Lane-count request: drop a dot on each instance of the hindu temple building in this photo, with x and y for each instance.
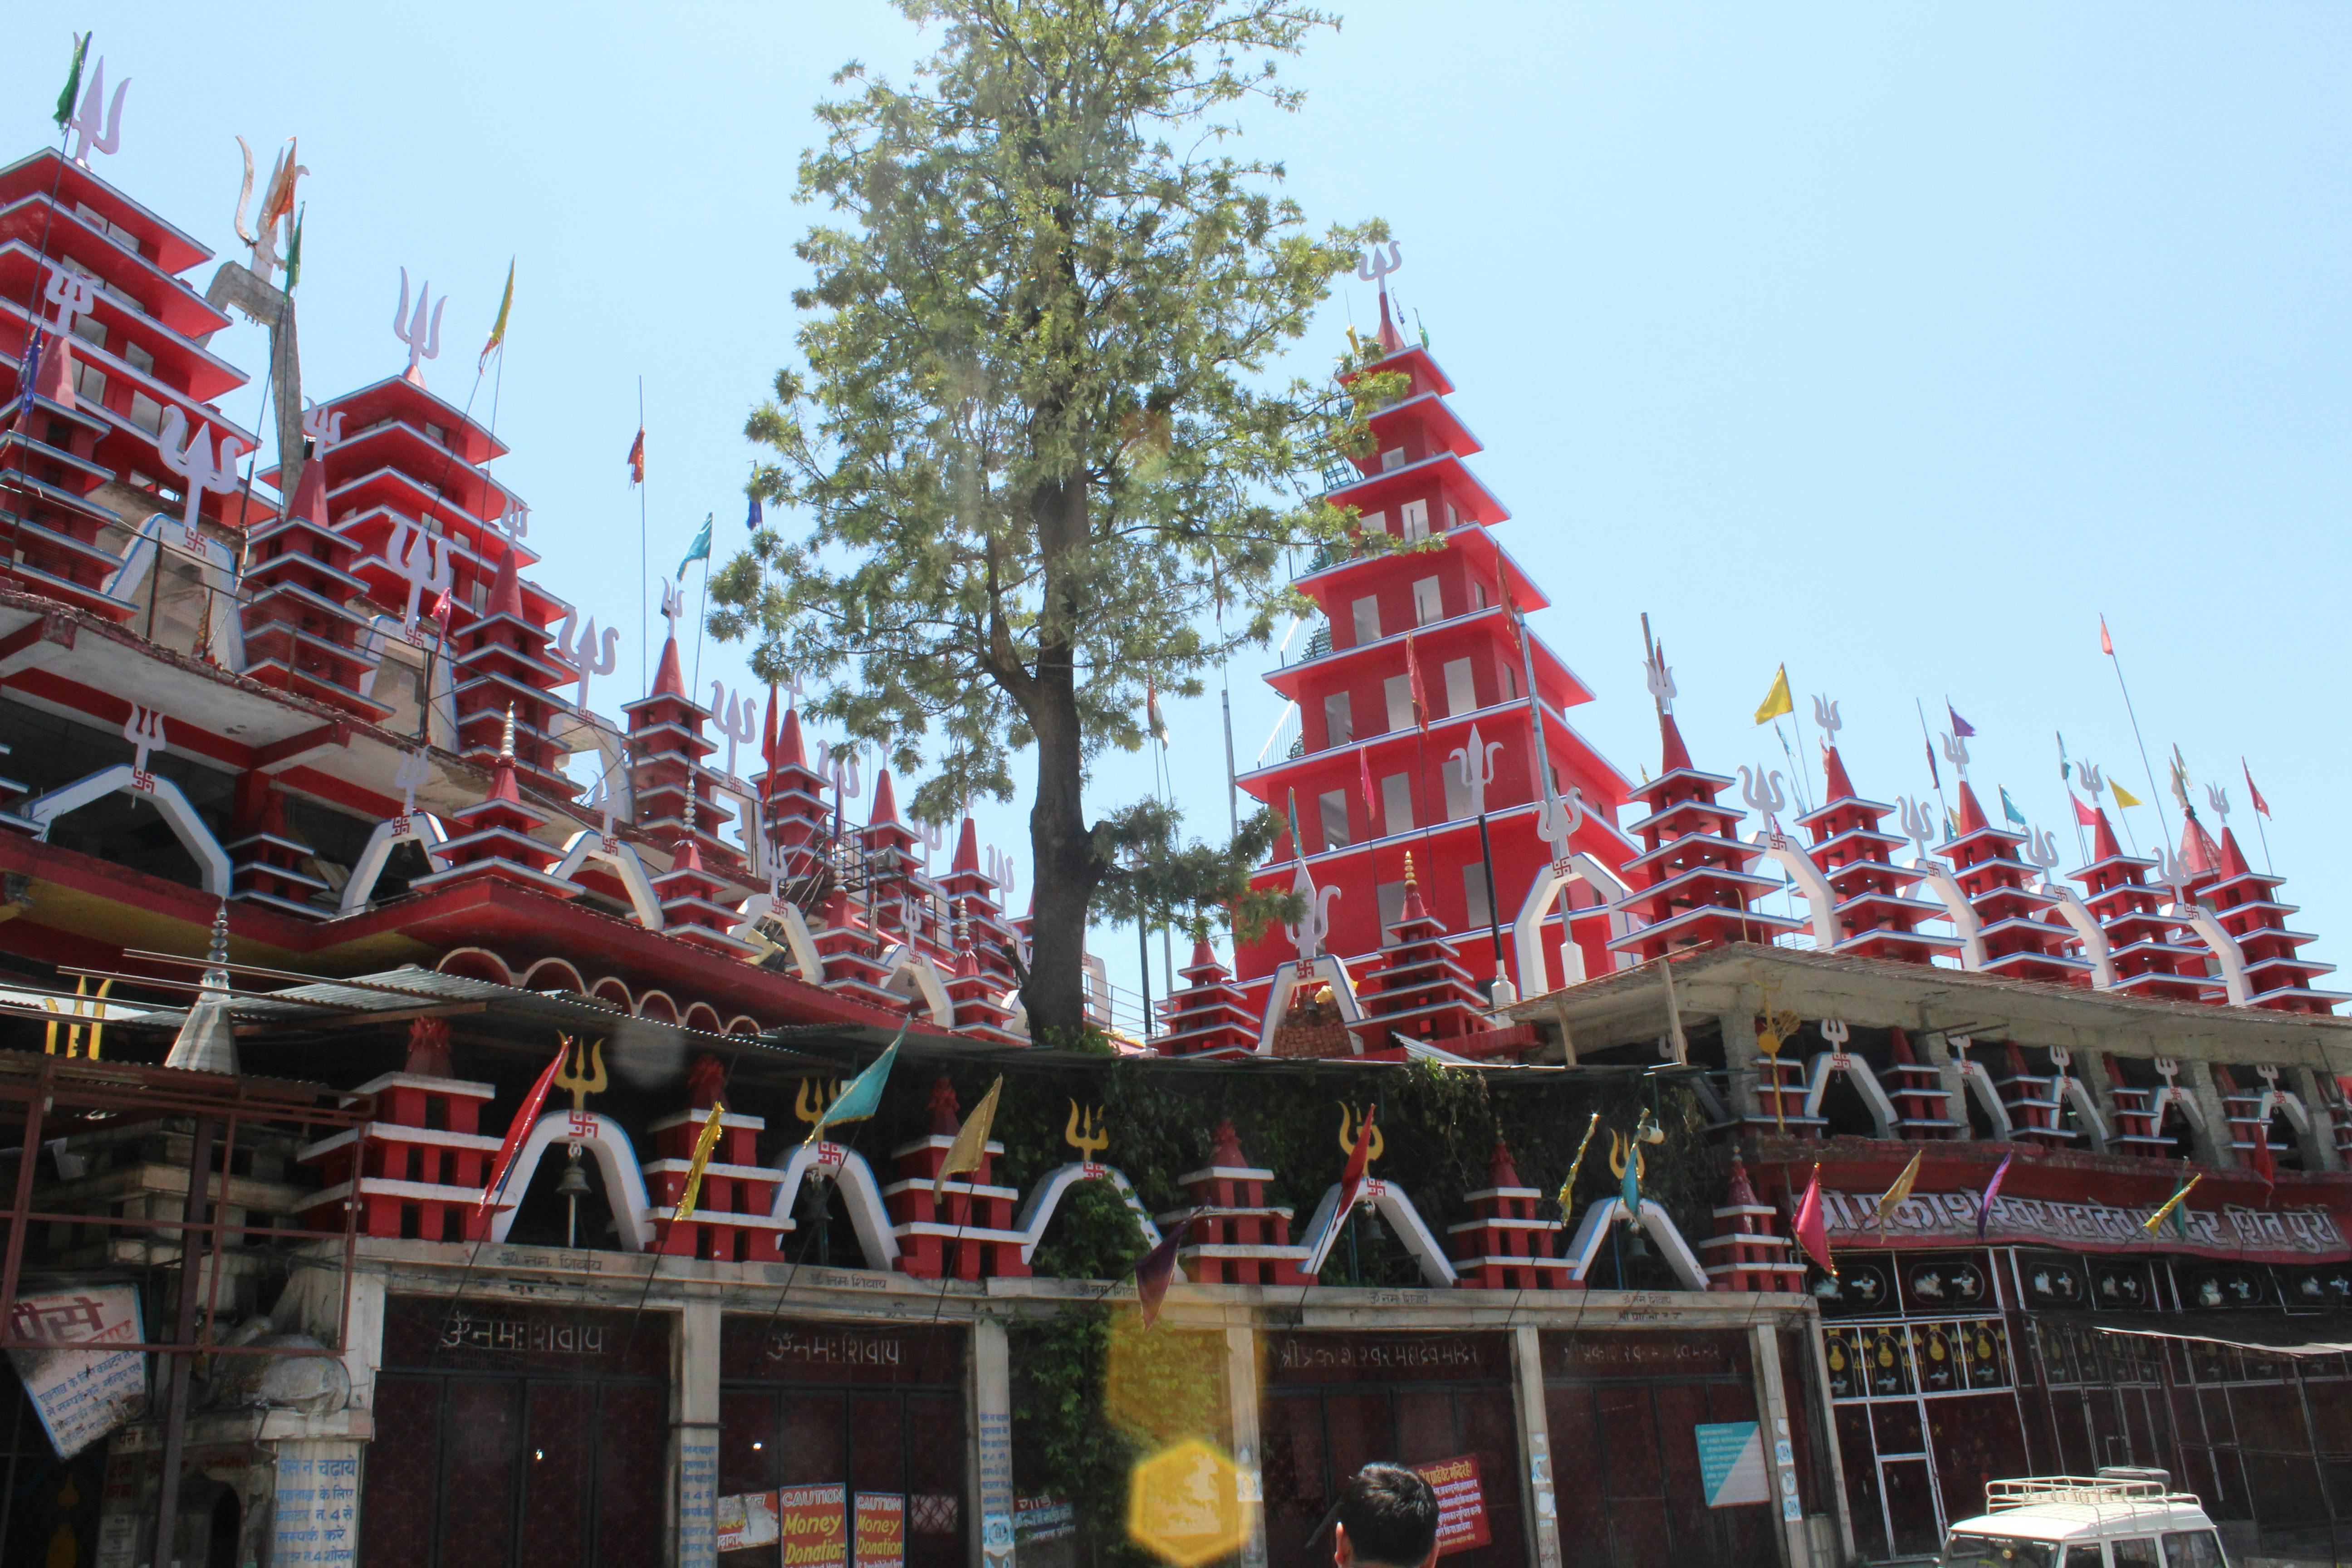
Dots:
(461, 1108)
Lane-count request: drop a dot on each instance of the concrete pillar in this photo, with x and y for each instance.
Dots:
(2318, 1145)
(1249, 1443)
(2091, 1068)
(1741, 1057)
(1825, 1418)
(1937, 1050)
(992, 1440)
(693, 1434)
(1779, 1448)
(2212, 1142)
(1534, 1444)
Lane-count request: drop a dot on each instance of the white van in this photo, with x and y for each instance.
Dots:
(2116, 1519)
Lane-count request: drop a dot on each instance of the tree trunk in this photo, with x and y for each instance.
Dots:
(1063, 882)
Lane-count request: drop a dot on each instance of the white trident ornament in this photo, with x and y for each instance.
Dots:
(1374, 268)
(277, 207)
(205, 467)
(1475, 764)
(1956, 751)
(73, 294)
(2219, 799)
(2041, 850)
(423, 337)
(1826, 714)
(1919, 825)
(423, 560)
(88, 137)
(412, 773)
(583, 654)
(325, 428)
(734, 719)
(145, 730)
(1764, 796)
(673, 605)
(1307, 935)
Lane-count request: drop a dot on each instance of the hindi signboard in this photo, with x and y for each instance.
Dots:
(745, 1519)
(81, 1395)
(1461, 1503)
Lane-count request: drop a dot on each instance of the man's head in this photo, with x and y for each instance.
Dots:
(1388, 1518)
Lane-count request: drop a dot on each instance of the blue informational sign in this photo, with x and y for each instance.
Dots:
(1731, 1463)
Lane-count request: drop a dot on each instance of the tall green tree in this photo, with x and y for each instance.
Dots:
(1041, 449)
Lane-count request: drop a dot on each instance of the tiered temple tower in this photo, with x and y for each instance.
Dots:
(1856, 857)
(78, 257)
(1692, 885)
(2142, 941)
(2241, 899)
(1417, 661)
(2021, 942)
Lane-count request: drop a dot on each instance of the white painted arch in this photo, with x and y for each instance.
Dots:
(212, 860)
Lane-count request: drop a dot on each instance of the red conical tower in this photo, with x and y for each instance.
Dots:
(1209, 1016)
(1422, 994)
(1418, 648)
(1856, 857)
(666, 750)
(2145, 945)
(2020, 941)
(2242, 901)
(493, 839)
(690, 898)
(503, 668)
(298, 635)
(1692, 887)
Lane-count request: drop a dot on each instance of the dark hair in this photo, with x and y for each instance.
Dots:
(1390, 1515)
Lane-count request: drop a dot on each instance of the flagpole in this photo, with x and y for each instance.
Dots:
(1928, 738)
(2259, 815)
(645, 568)
(702, 624)
(2066, 777)
(2155, 795)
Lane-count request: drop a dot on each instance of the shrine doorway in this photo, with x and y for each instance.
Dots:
(1627, 1409)
(858, 1429)
(1336, 1402)
(510, 1432)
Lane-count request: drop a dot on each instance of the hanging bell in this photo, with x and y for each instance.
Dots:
(1639, 1247)
(574, 1184)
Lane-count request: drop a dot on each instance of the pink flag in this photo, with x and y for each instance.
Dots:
(1992, 1191)
(520, 1129)
(1813, 1230)
(2260, 804)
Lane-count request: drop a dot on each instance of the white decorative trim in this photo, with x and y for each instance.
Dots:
(624, 1186)
(421, 828)
(1390, 1201)
(621, 858)
(1655, 1220)
(188, 827)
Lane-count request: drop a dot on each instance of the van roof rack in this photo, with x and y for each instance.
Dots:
(2113, 1486)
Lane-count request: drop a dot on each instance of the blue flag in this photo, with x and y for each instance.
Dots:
(698, 551)
(2008, 808)
(756, 517)
(862, 1097)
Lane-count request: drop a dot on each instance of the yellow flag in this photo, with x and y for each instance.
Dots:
(1777, 701)
(2123, 797)
(1568, 1187)
(704, 1141)
(971, 1145)
(1892, 1199)
(2170, 1203)
(499, 327)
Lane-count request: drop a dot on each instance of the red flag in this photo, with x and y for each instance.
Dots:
(521, 1129)
(1511, 619)
(1813, 1230)
(637, 458)
(2106, 643)
(1352, 1177)
(2083, 814)
(1412, 680)
(2260, 804)
(2260, 1158)
(1364, 779)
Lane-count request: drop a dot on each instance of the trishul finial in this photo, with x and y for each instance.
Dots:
(85, 124)
(584, 654)
(815, 1099)
(1374, 268)
(423, 335)
(2093, 780)
(1764, 796)
(277, 207)
(1825, 715)
(145, 730)
(1475, 764)
(1561, 819)
(423, 558)
(2219, 799)
(734, 718)
(1307, 935)
(1349, 1128)
(582, 1071)
(2041, 850)
(73, 293)
(325, 428)
(1919, 825)
(196, 459)
(1659, 678)
(1956, 751)
(1084, 1132)
(673, 605)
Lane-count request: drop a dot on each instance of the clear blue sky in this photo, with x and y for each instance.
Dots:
(1894, 342)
